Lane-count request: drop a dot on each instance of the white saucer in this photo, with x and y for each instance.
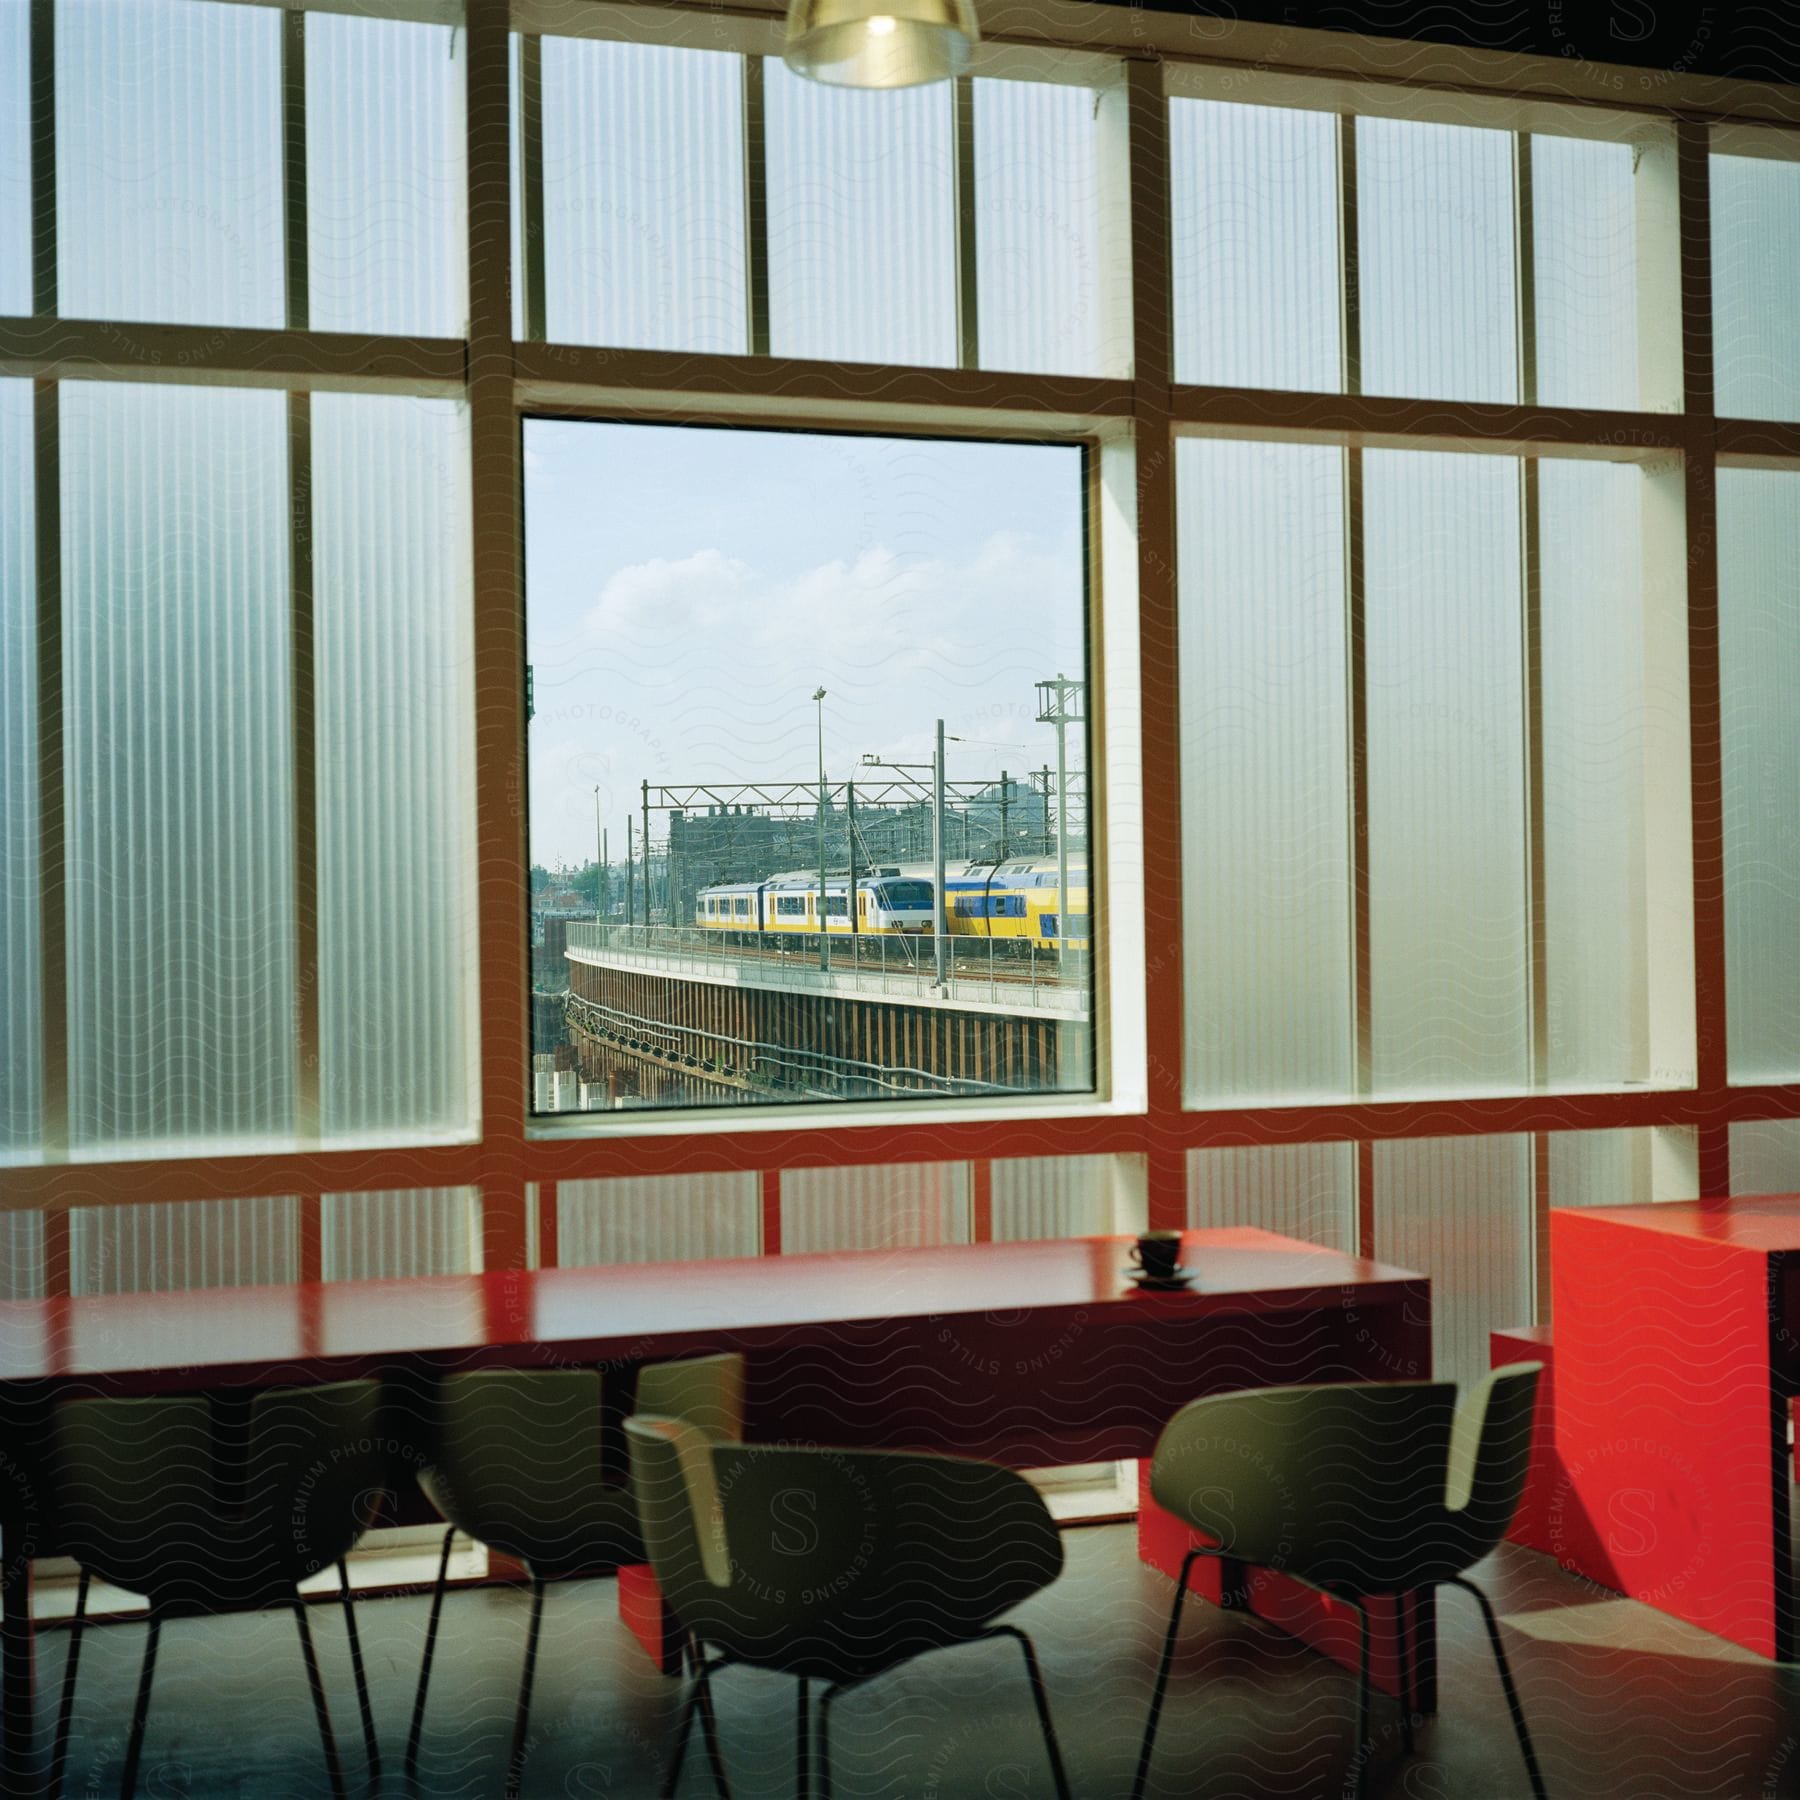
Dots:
(1178, 1280)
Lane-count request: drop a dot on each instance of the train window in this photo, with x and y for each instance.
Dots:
(742, 664)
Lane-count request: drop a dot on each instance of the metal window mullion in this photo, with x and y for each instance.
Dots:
(303, 726)
(53, 970)
(1349, 257)
(1532, 648)
(42, 55)
(968, 319)
(296, 269)
(1357, 719)
(756, 208)
(1525, 269)
(531, 185)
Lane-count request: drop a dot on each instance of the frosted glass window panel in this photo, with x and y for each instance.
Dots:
(1305, 1191)
(1756, 273)
(393, 613)
(883, 1206)
(173, 1245)
(643, 196)
(1265, 770)
(658, 1218)
(1593, 745)
(168, 161)
(862, 221)
(1759, 675)
(21, 1020)
(1599, 1168)
(1460, 1211)
(21, 1255)
(1065, 1196)
(393, 1233)
(1765, 1156)
(386, 219)
(1436, 260)
(177, 763)
(1584, 257)
(1255, 245)
(15, 156)
(1043, 292)
(1449, 957)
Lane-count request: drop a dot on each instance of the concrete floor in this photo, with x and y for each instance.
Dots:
(1622, 1702)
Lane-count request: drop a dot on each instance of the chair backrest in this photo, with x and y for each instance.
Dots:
(517, 1454)
(1339, 1483)
(834, 1560)
(707, 1391)
(1490, 1456)
(315, 1472)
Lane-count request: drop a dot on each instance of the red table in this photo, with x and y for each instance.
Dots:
(1032, 1354)
(1675, 1365)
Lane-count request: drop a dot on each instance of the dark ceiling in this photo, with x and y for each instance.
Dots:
(1759, 42)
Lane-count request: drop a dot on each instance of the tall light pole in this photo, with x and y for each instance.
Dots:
(599, 865)
(824, 949)
(1060, 704)
(939, 907)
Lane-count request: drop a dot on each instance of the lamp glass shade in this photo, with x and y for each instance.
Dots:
(880, 43)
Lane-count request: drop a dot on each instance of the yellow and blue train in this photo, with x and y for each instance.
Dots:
(1014, 900)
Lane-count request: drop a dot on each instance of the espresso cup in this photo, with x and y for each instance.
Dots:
(1158, 1254)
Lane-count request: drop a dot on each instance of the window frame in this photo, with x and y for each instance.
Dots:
(1128, 421)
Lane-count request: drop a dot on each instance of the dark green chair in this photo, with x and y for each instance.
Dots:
(519, 1467)
(1355, 1489)
(834, 1565)
(153, 1498)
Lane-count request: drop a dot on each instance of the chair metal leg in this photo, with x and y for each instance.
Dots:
(685, 1729)
(362, 1680)
(1041, 1700)
(825, 1700)
(1362, 1699)
(802, 1746)
(1506, 1681)
(515, 1762)
(709, 1730)
(1403, 1642)
(431, 1631)
(1162, 1674)
(59, 1754)
(320, 1710)
(140, 1712)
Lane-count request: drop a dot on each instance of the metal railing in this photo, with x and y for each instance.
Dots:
(1016, 974)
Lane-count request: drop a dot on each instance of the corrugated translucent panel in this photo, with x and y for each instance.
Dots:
(862, 221)
(1765, 1156)
(1305, 1191)
(1254, 239)
(168, 161)
(21, 1021)
(178, 763)
(1043, 292)
(1756, 273)
(1600, 1168)
(1584, 255)
(386, 225)
(1435, 259)
(1459, 1210)
(1265, 770)
(21, 1255)
(397, 1232)
(1759, 676)
(1065, 1196)
(883, 1206)
(1447, 897)
(643, 196)
(1593, 736)
(15, 156)
(658, 1218)
(393, 658)
(176, 1244)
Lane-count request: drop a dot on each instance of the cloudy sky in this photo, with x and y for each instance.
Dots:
(688, 589)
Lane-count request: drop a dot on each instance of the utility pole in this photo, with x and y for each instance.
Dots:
(630, 907)
(824, 947)
(1060, 704)
(600, 863)
(850, 845)
(605, 873)
(646, 852)
(1005, 808)
(940, 908)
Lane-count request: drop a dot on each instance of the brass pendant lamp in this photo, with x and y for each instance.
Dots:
(880, 43)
